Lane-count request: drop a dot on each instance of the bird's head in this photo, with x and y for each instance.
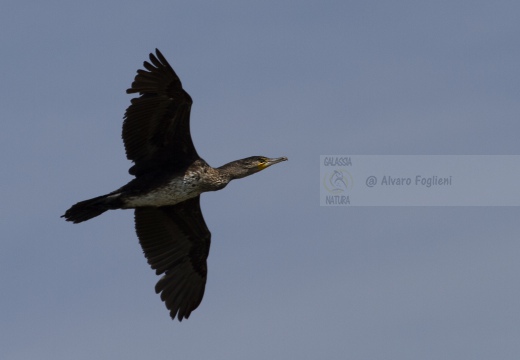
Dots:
(248, 166)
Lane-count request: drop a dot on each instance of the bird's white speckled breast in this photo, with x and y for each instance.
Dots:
(197, 179)
(175, 191)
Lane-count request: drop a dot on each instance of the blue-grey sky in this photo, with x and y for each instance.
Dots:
(288, 279)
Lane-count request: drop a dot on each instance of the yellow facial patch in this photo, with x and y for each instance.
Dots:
(262, 166)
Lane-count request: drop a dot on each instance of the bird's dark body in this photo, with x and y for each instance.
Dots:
(169, 178)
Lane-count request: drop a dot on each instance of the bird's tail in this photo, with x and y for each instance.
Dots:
(88, 209)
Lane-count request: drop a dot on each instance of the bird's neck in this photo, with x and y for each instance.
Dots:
(232, 171)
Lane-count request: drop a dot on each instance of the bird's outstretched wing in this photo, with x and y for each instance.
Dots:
(176, 241)
(156, 127)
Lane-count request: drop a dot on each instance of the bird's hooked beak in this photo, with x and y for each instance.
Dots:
(270, 162)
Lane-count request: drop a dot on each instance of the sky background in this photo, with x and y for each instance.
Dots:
(288, 279)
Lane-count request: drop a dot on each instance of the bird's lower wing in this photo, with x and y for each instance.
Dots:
(176, 242)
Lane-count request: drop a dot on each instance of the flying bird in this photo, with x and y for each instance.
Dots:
(169, 178)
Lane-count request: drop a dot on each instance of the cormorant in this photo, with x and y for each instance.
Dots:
(169, 178)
